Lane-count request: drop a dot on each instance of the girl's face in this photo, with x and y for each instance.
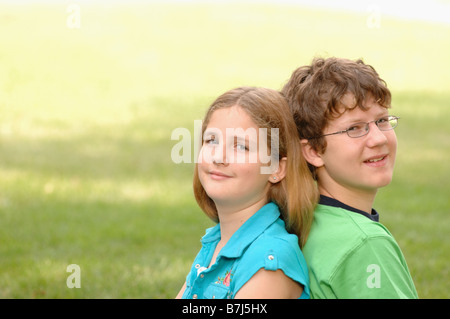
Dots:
(229, 166)
(361, 164)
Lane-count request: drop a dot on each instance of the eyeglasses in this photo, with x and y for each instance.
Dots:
(384, 123)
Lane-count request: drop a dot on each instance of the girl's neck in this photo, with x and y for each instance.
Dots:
(232, 218)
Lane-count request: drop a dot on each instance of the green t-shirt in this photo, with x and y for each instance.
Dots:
(351, 256)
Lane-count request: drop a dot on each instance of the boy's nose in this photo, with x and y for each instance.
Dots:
(375, 136)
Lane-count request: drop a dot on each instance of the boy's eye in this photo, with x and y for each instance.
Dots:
(241, 147)
(356, 127)
(383, 122)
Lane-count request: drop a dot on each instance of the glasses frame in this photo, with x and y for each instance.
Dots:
(367, 127)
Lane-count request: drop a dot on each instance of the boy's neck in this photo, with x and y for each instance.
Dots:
(357, 199)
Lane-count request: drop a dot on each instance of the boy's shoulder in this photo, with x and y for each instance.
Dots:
(337, 232)
(342, 223)
(342, 251)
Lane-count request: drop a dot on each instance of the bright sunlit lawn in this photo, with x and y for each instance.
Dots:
(86, 175)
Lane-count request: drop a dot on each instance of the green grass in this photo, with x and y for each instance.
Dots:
(87, 114)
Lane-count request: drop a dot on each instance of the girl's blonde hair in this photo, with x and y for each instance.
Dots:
(296, 195)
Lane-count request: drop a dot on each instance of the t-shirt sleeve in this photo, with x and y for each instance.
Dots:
(272, 255)
(374, 269)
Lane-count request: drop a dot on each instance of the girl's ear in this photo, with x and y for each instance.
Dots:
(280, 173)
(311, 155)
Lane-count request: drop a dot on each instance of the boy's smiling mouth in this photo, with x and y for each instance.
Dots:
(377, 160)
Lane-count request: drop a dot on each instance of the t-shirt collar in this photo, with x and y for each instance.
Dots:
(247, 233)
(325, 200)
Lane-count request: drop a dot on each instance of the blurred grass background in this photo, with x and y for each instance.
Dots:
(87, 113)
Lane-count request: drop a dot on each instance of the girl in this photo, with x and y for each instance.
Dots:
(249, 253)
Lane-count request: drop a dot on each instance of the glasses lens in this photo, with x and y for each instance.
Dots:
(358, 129)
(387, 123)
(393, 120)
(384, 124)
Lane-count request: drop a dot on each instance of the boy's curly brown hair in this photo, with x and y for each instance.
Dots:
(315, 93)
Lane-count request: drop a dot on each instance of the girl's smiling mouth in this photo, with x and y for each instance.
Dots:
(216, 175)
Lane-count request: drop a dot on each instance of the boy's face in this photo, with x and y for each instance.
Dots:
(358, 165)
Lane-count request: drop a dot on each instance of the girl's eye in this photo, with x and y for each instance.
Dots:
(211, 140)
(241, 147)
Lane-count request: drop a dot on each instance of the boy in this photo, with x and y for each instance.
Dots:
(341, 111)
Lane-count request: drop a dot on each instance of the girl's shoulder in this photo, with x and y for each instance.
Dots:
(271, 249)
(276, 249)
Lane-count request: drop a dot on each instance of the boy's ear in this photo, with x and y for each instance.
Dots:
(280, 173)
(311, 155)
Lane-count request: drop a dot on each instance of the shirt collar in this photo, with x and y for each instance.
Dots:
(325, 200)
(247, 233)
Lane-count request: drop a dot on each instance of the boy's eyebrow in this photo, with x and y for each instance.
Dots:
(360, 120)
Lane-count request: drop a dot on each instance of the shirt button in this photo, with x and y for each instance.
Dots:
(270, 257)
(195, 296)
(202, 275)
(197, 266)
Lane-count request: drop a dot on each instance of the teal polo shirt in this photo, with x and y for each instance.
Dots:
(261, 242)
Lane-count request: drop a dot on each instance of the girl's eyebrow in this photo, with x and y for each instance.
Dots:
(244, 138)
(241, 137)
(210, 131)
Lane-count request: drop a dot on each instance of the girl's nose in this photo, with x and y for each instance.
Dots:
(219, 155)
